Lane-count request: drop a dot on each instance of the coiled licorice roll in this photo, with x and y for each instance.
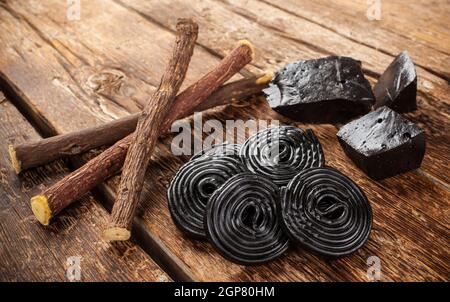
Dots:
(282, 152)
(224, 149)
(325, 211)
(242, 221)
(193, 185)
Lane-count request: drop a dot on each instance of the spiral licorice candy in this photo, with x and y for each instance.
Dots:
(193, 185)
(280, 153)
(242, 221)
(326, 211)
(224, 149)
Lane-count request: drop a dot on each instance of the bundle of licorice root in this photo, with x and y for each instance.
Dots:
(252, 201)
(134, 137)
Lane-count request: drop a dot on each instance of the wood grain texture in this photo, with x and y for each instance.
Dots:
(349, 19)
(428, 26)
(410, 227)
(29, 252)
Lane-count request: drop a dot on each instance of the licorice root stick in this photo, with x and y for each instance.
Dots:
(54, 199)
(147, 132)
(37, 153)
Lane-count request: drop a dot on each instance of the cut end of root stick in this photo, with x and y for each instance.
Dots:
(264, 79)
(249, 45)
(187, 25)
(117, 234)
(40, 208)
(13, 156)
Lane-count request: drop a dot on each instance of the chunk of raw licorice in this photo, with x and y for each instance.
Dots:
(325, 211)
(242, 222)
(219, 150)
(326, 90)
(383, 143)
(279, 153)
(397, 86)
(193, 185)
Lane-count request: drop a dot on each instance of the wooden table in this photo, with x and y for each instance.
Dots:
(61, 75)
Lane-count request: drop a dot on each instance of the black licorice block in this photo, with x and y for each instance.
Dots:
(326, 90)
(397, 86)
(383, 143)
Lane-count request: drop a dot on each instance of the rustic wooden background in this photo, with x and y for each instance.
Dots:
(59, 75)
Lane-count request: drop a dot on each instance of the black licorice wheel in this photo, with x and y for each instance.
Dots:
(224, 149)
(282, 152)
(193, 185)
(325, 211)
(242, 221)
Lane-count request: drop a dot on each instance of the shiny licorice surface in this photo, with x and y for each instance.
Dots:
(282, 152)
(192, 187)
(224, 149)
(325, 211)
(242, 221)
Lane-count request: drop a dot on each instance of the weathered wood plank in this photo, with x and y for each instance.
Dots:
(400, 27)
(30, 252)
(397, 222)
(86, 69)
(422, 20)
